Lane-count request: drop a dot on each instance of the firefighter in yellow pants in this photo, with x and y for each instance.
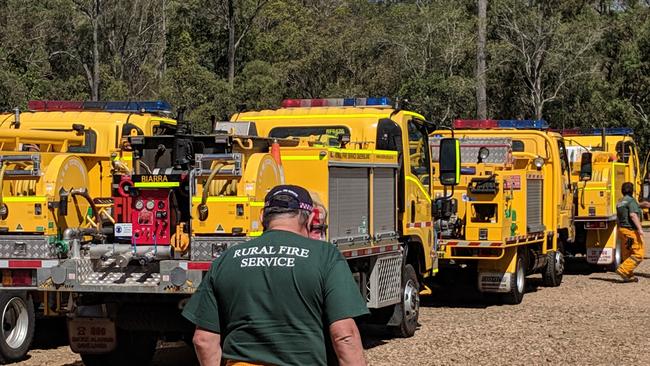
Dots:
(630, 232)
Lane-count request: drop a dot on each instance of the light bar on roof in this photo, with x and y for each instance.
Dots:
(503, 123)
(336, 102)
(611, 131)
(475, 123)
(157, 106)
(54, 105)
(537, 124)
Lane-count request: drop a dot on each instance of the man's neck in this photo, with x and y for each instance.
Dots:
(290, 228)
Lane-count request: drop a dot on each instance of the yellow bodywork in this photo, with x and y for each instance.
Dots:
(237, 212)
(53, 156)
(495, 224)
(597, 197)
(234, 204)
(361, 123)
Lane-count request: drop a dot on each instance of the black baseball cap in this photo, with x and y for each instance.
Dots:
(299, 198)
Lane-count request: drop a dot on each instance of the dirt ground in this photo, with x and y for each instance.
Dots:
(591, 319)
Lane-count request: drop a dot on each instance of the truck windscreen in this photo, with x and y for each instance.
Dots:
(328, 135)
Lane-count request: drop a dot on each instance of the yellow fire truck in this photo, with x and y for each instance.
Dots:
(55, 175)
(602, 160)
(512, 212)
(191, 197)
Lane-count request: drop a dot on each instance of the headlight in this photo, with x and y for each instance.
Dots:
(150, 205)
(539, 163)
(139, 205)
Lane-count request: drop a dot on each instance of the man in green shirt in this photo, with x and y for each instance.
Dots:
(275, 299)
(630, 232)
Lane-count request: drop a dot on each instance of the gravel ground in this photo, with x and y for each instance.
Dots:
(589, 320)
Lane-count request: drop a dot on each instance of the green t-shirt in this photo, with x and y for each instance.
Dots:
(273, 298)
(624, 208)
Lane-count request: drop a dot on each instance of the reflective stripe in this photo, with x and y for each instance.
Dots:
(28, 263)
(595, 188)
(224, 199)
(419, 184)
(303, 158)
(156, 184)
(25, 199)
(351, 253)
(199, 266)
(363, 151)
(418, 225)
(413, 114)
(256, 203)
(457, 161)
(315, 116)
(255, 233)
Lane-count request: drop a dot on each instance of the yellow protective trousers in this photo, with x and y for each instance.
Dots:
(632, 249)
(242, 363)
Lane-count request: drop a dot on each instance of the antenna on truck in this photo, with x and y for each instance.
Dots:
(16, 122)
(184, 127)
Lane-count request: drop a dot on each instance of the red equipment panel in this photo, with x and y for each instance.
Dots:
(151, 217)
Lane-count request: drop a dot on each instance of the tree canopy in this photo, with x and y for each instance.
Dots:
(575, 63)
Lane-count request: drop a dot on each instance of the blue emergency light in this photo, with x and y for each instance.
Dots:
(610, 131)
(158, 106)
(381, 102)
(525, 124)
(616, 131)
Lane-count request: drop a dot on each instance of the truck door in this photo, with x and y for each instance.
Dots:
(566, 192)
(417, 174)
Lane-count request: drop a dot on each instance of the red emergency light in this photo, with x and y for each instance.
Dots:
(54, 105)
(475, 123)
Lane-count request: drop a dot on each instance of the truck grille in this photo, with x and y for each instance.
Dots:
(534, 206)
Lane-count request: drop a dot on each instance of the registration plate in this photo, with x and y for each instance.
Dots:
(91, 335)
(600, 255)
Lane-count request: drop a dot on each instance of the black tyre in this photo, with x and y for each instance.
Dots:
(18, 323)
(618, 257)
(133, 349)
(410, 304)
(554, 271)
(517, 284)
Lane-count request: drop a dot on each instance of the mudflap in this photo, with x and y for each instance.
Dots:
(494, 282)
(92, 335)
(602, 244)
(499, 275)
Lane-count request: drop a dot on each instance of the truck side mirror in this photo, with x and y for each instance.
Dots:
(449, 158)
(585, 166)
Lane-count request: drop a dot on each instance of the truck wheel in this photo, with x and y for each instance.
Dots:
(517, 284)
(618, 258)
(410, 305)
(133, 349)
(552, 275)
(18, 323)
